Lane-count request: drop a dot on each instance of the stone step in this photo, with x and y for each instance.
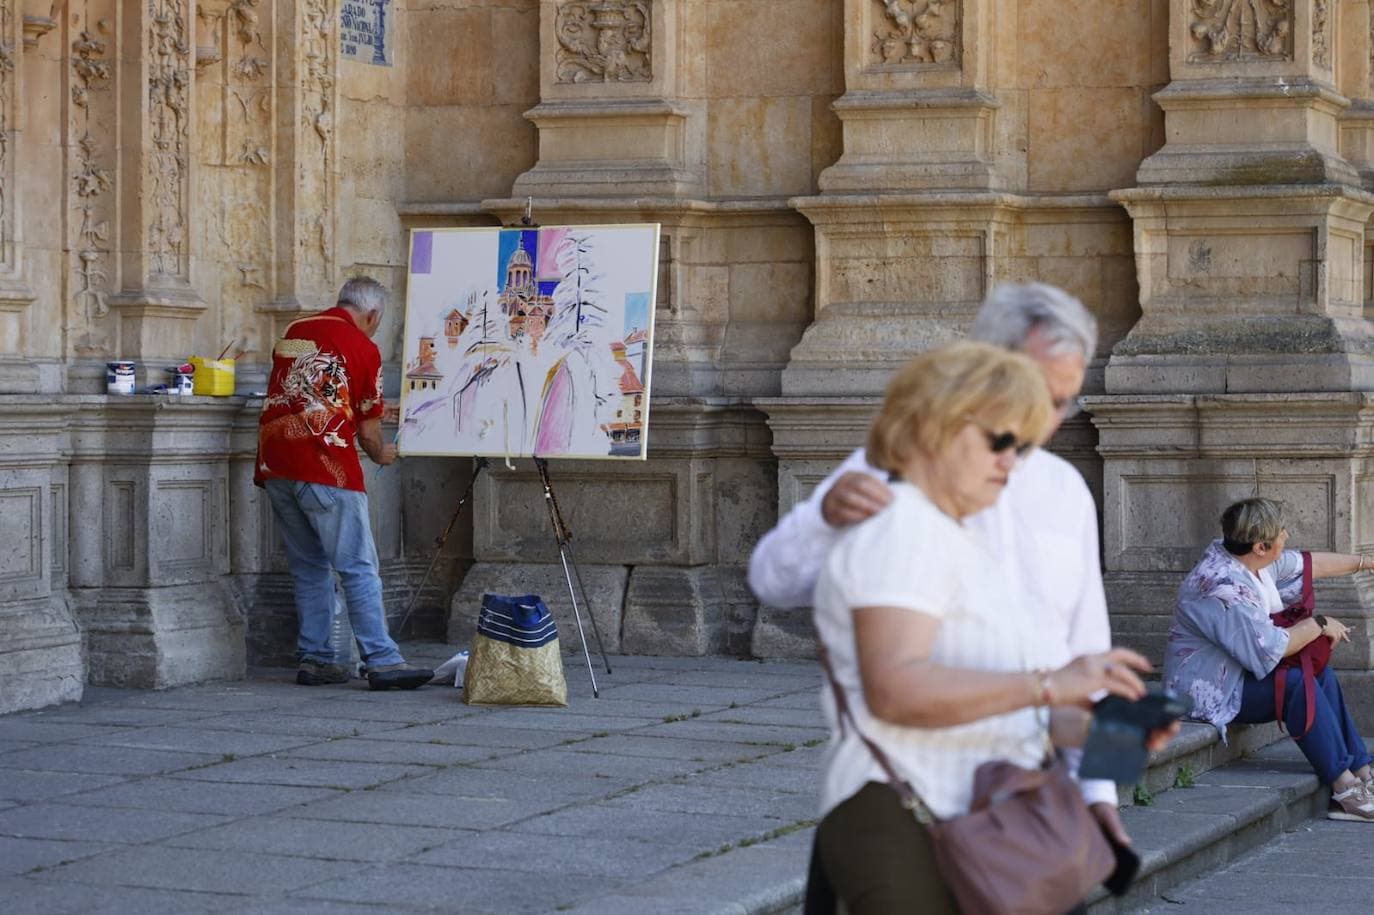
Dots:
(1225, 813)
(1197, 750)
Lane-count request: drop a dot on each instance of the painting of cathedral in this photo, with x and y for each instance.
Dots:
(547, 341)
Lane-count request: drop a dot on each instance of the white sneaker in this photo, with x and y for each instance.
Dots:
(1355, 803)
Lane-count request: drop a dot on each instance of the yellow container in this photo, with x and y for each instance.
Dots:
(213, 376)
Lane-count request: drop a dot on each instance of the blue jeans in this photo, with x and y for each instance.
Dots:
(326, 530)
(1334, 744)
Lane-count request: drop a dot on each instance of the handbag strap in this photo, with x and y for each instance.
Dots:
(910, 800)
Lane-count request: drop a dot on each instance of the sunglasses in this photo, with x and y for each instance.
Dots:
(999, 442)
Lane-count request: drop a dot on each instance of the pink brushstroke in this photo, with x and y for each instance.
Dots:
(556, 415)
(550, 240)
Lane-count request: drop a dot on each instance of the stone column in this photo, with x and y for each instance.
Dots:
(40, 658)
(157, 305)
(620, 109)
(1245, 374)
(150, 540)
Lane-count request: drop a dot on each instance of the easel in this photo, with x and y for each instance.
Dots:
(561, 534)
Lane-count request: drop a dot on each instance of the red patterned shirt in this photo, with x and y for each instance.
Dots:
(326, 378)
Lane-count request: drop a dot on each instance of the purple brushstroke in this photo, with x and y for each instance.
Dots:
(556, 416)
(421, 251)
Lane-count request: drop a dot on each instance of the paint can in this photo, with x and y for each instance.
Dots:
(179, 382)
(119, 377)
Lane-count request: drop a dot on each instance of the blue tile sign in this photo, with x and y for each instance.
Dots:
(365, 31)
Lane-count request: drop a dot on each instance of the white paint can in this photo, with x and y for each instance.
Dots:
(119, 377)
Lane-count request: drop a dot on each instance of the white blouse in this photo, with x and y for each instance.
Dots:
(913, 556)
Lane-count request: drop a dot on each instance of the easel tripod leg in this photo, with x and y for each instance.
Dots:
(596, 629)
(577, 615)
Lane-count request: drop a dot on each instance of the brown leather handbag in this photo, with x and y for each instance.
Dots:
(1028, 845)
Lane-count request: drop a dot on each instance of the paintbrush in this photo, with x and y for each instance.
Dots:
(226, 348)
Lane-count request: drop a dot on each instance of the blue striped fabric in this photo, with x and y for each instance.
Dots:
(522, 621)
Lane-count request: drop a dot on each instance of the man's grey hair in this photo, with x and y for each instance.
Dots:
(1013, 311)
(364, 294)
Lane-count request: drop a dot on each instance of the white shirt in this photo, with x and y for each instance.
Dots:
(913, 556)
(1043, 529)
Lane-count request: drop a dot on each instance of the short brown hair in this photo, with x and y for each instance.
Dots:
(1250, 521)
(931, 398)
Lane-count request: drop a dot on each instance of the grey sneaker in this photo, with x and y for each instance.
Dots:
(317, 673)
(1355, 804)
(398, 676)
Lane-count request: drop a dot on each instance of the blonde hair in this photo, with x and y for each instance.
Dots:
(933, 396)
(1248, 522)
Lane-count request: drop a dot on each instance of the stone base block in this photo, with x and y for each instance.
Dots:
(784, 633)
(1358, 688)
(688, 611)
(269, 607)
(605, 591)
(40, 658)
(160, 637)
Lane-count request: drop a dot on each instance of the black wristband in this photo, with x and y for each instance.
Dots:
(1321, 620)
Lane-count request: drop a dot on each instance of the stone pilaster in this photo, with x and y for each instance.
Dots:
(157, 304)
(621, 108)
(150, 540)
(40, 659)
(15, 295)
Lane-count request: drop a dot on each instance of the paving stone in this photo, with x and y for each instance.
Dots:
(344, 707)
(515, 784)
(560, 720)
(199, 797)
(747, 676)
(214, 871)
(738, 733)
(25, 785)
(811, 758)
(311, 907)
(396, 751)
(707, 829)
(34, 729)
(211, 702)
(19, 856)
(655, 710)
(422, 810)
(588, 855)
(671, 748)
(565, 761)
(99, 824)
(9, 746)
(309, 838)
(719, 800)
(297, 725)
(802, 699)
(761, 775)
(123, 715)
(462, 732)
(105, 760)
(30, 896)
(698, 696)
(769, 715)
(199, 740)
(472, 891)
(319, 773)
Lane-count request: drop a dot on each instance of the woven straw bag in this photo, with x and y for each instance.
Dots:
(515, 658)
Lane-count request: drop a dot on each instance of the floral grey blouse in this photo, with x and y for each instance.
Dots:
(1222, 631)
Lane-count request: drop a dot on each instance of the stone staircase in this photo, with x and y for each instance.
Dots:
(1202, 804)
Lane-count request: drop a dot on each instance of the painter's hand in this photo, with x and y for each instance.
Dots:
(855, 497)
(386, 455)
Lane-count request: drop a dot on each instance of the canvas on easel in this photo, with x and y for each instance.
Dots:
(529, 341)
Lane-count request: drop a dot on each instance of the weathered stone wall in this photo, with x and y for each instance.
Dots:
(839, 183)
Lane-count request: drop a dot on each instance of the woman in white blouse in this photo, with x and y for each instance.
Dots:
(939, 665)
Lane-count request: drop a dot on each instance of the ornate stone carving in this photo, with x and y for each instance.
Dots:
(1321, 34)
(7, 56)
(1239, 30)
(315, 158)
(91, 181)
(604, 41)
(918, 32)
(169, 112)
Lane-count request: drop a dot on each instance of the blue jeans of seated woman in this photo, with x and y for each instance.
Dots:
(325, 530)
(1333, 745)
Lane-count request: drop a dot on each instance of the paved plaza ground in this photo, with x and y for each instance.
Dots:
(689, 787)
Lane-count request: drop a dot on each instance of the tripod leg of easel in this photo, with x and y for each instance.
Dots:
(596, 630)
(577, 615)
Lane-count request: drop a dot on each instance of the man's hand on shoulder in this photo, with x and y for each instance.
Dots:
(855, 497)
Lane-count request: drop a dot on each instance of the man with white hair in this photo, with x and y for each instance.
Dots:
(1044, 526)
(325, 393)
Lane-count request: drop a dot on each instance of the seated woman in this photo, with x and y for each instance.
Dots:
(1224, 649)
(927, 642)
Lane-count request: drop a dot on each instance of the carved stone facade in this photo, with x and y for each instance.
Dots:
(839, 183)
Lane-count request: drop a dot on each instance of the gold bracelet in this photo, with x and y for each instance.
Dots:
(1044, 690)
(1362, 560)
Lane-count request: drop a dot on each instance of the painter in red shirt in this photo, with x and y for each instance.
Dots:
(324, 395)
